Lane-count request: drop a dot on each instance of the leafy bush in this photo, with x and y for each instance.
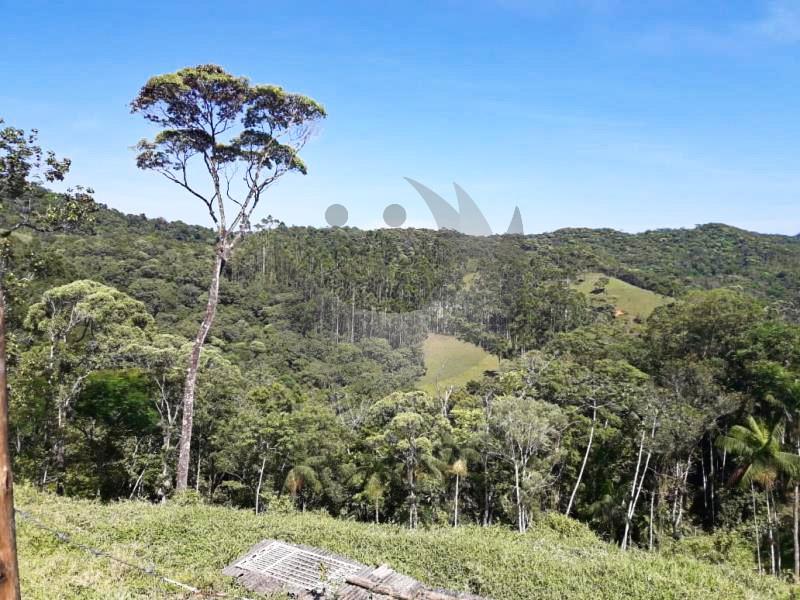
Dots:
(567, 529)
(730, 547)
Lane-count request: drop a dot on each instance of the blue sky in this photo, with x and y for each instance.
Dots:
(597, 113)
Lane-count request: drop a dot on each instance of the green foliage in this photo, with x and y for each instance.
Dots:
(723, 547)
(191, 543)
(205, 112)
(119, 400)
(567, 529)
(758, 445)
(24, 167)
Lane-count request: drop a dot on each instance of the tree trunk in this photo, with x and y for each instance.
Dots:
(260, 481)
(711, 477)
(624, 543)
(136, 485)
(650, 533)
(518, 495)
(635, 492)
(9, 573)
(60, 452)
(413, 518)
(770, 535)
(757, 530)
(487, 494)
(353, 317)
(796, 515)
(585, 459)
(166, 480)
(199, 464)
(184, 454)
(777, 542)
(455, 505)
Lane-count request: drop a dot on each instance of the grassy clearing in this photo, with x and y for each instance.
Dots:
(449, 361)
(631, 300)
(558, 558)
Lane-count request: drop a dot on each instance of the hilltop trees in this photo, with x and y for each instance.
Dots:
(225, 124)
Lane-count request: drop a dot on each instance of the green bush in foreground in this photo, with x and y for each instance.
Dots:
(191, 542)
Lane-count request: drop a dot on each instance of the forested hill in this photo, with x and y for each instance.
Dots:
(311, 391)
(317, 286)
(164, 264)
(300, 291)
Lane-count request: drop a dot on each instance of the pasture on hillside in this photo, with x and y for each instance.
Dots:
(633, 302)
(450, 361)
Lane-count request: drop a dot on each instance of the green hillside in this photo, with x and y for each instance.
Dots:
(191, 543)
(633, 302)
(450, 361)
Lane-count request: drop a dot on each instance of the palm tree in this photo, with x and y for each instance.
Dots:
(758, 447)
(302, 482)
(459, 469)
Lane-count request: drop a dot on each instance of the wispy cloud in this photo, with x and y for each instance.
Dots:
(779, 24)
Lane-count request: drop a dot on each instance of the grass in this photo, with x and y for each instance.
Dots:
(557, 558)
(450, 361)
(634, 302)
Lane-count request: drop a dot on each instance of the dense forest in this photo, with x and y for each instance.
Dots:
(273, 368)
(647, 429)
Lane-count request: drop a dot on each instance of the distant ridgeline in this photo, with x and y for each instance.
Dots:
(346, 284)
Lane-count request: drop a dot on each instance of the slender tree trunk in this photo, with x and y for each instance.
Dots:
(353, 317)
(636, 491)
(770, 535)
(682, 478)
(184, 454)
(487, 494)
(757, 530)
(199, 464)
(166, 480)
(260, 480)
(796, 516)
(705, 481)
(711, 477)
(518, 495)
(585, 459)
(60, 452)
(624, 543)
(455, 505)
(413, 519)
(650, 533)
(9, 572)
(136, 485)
